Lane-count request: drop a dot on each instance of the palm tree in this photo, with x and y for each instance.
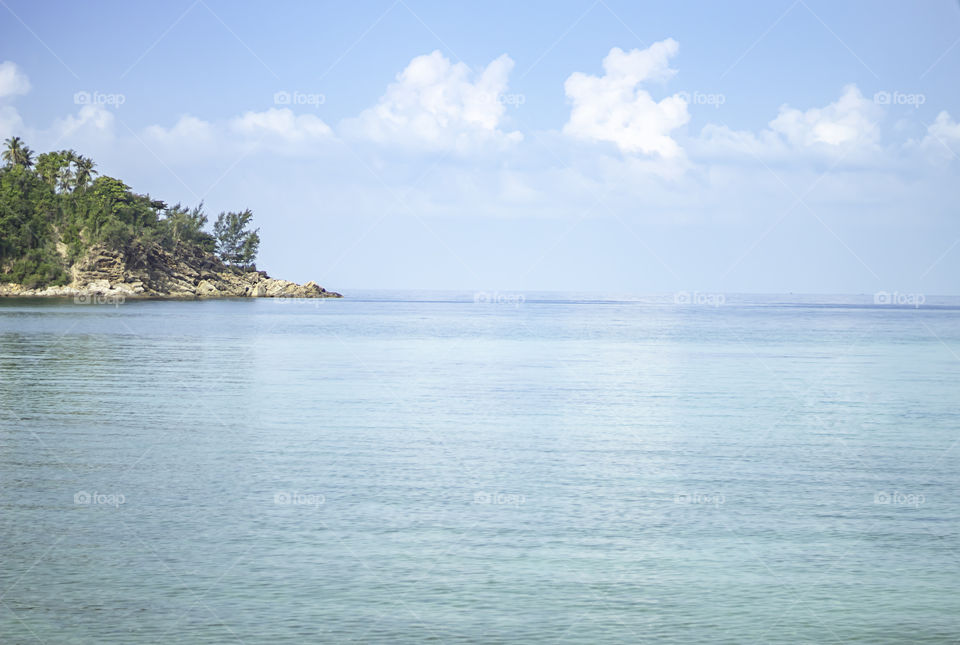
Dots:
(48, 167)
(85, 171)
(17, 154)
(65, 172)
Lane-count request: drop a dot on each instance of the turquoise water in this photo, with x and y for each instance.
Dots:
(397, 467)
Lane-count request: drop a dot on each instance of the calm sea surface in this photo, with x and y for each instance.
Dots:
(409, 467)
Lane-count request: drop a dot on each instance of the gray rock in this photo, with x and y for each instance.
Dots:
(153, 272)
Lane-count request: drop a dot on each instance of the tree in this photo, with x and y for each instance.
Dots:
(66, 178)
(182, 226)
(236, 245)
(17, 154)
(53, 210)
(54, 169)
(84, 173)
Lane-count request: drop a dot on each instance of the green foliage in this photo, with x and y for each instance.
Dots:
(37, 268)
(25, 209)
(236, 244)
(17, 154)
(52, 210)
(54, 168)
(65, 170)
(83, 172)
(115, 234)
(182, 226)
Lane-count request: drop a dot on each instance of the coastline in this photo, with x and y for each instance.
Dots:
(278, 289)
(185, 274)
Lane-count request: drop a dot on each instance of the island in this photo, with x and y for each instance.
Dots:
(65, 233)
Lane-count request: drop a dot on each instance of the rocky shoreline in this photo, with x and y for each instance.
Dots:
(150, 271)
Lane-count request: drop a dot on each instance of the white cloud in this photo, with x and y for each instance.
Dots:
(186, 129)
(944, 127)
(10, 122)
(942, 138)
(846, 129)
(12, 83)
(277, 129)
(614, 107)
(12, 80)
(90, 119)
(851, 119)
(439, 105)
(724, 142)
(281, 123)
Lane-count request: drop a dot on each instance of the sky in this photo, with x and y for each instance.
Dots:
(792, 146)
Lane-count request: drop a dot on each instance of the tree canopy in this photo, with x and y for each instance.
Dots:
(17, 154)
(54, 208)
(236, 244)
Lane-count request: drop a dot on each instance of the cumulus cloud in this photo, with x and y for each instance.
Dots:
(722, 141)
(90, 119)
(850, 119)
(942, 138)
(12, 83)
(187, 128)
(10, 122)
(944, 127)
(281, 123)
(848, 127)
(615, 108)
(12, 80)
(437, 104)
(280, 130)
(90, 124)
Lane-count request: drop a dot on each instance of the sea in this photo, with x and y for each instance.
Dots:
(492, 467)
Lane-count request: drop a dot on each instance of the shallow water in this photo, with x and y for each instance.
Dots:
(407, 467)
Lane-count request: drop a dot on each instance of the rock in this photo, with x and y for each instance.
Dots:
(98, 287)
(206, 289)
(153, 272)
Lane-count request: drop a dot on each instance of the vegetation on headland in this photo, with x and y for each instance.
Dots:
(53, 209)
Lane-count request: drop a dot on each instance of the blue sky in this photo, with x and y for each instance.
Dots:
(605, 146)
